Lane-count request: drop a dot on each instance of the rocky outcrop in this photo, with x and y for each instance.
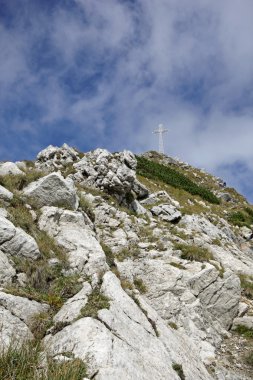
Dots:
(52, 190)
(114, 173)
(54, 158)
(166, 212)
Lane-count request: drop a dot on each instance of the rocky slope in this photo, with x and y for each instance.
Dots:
(142, 268)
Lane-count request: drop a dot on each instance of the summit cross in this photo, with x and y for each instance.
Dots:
(160, 132)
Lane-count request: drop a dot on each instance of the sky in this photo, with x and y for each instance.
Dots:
(105, 73)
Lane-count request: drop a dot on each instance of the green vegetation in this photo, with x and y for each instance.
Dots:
(179, 370)
(139, 284)
(245, 331)
(177, 265)
(87, 207)
(193, 252)
(109, 254)
(25, 362)
(241, 218)
(247, 286)
(173, 325)
(18, 182)
(156, 171)
(127, 252)
(96, 301)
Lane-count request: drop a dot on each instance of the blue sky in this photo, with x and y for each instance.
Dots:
(96, 73)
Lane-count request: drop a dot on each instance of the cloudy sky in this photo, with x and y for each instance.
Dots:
(105, 73)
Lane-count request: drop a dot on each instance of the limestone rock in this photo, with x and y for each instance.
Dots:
(20, 244)
(166, 212)
(7, 272)
(52, 157)
(71, 309)
(5, 195)
(71, 232)
(21, 307)
(10, 168)
(52, 190)
(7, 230)
(110, 172)
(13, 330)
(115, 342)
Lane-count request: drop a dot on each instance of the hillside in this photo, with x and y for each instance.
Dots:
(121, 266)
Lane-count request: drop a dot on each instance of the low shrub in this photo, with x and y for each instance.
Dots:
(156, 171)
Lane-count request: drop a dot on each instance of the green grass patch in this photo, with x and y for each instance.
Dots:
(156, 171)
(245, 331)
(177, 265)
(25, 362)
(140, 285)
(179, 370)
(96, 301)
(193, 252)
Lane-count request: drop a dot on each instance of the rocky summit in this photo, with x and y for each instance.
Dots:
(115, 266)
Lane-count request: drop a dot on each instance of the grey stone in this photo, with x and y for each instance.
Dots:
(52, 190)
(166, 212)
(5, 195)
(10, 168)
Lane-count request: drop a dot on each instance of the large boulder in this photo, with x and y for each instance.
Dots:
(10, 168)
(52, 190)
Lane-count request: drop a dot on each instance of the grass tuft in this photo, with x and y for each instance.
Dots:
(96, 301)
(193, 252)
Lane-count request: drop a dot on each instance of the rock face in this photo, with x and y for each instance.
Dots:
(114, 173)
(72, 233)
(122, 332)
(52, 190)
(10, 168)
